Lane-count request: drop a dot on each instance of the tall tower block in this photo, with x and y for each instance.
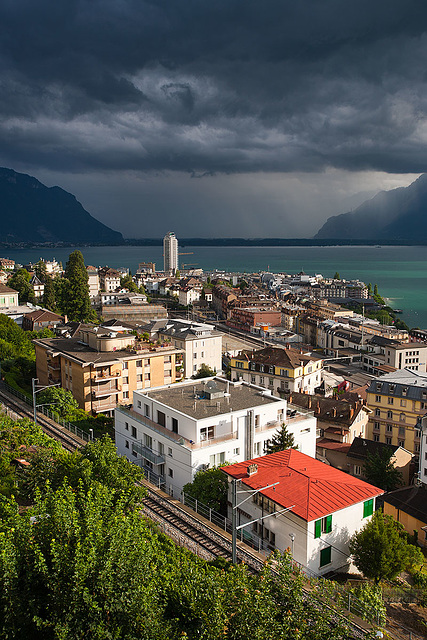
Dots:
(170, 253)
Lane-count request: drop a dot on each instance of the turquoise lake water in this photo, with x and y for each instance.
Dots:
(400, 272)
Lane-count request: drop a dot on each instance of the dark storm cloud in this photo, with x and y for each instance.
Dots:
(205, 87)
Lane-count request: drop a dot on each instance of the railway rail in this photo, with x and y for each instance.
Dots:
(49, 426)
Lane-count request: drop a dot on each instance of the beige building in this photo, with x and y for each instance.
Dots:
(103, 366)
(398, 401)
(8, 297)
(284, 370)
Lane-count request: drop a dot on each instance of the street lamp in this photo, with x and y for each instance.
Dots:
(37, 390)
(292, 537)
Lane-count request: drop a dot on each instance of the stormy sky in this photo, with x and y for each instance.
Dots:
(223, 118)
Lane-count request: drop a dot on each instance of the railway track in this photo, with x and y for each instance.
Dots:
(50, 427)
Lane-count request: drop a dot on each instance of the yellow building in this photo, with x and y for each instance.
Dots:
(398, 400)
(409, 507)
(281, 370)
(103, 366)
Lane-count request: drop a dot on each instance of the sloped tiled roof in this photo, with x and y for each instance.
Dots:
(411, 500)
(287, 358)
(313, 489)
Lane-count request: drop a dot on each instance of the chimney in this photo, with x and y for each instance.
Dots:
(65, 318)
(290, 399)
(334, 412)
(318, 409)
(309, 402)
(252, 469)
(351, 413)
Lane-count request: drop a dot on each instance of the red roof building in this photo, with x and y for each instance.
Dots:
(324, 507)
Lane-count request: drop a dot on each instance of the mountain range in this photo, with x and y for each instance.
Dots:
(32, 212)
(399, 214)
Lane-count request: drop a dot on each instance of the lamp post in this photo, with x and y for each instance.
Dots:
(292, 537)
(37, 390)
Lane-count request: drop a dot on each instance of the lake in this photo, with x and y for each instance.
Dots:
(400, 272)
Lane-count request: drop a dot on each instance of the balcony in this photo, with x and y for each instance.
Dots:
(53, 366)
(148, 454)
(105, 390)
(104, 405)
(104, 377)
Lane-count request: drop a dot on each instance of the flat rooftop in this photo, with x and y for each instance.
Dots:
(190, 398)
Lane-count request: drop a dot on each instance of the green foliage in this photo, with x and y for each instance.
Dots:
(381, 472)
(337, 276)
(75, 300)
(58, 401)
(20, 281)
(49, 301)
(211, 488)
(41, 271)
(127, 283)
(381, 550)
(280, 441)
(370, 596)
(204, 371)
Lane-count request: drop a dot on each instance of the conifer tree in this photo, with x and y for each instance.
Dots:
(49, 294)
(280, 441)
(76, 302)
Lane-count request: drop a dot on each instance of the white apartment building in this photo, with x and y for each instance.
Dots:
(315, 509)
(170, 253)
(201, 343)
(93, 282)
(176, 430)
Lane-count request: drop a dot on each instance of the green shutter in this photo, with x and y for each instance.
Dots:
(317, 528)
(368, 508)
(325, 556)
(328, 524)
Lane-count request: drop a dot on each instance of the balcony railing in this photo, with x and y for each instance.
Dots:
(105, 390)
(104, 377)
(148, 454)
(104, 405)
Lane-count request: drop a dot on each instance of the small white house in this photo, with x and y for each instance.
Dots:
(315, 509)
(174, 431)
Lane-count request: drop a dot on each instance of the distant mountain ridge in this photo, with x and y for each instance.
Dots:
(32, 212)
(399, 214)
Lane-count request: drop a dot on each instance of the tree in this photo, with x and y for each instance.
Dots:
(204, 371)
(211, 488)
(49, 294)
(380, 471)
(58, 401)
(337, 276)
(381, 551)
(20, 281)
(41, 271)
(376, 290)
(280, 441)
(76, 301)
(369, 288)
(127, 283)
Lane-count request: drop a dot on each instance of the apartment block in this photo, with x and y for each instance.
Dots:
(175, 431)
(103, 366)
(281, 370)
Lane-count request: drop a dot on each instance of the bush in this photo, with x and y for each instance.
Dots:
(370, 597)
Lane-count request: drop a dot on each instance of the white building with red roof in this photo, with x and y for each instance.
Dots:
(309, 507)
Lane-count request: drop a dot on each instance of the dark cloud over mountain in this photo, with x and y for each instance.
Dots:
(224, 87)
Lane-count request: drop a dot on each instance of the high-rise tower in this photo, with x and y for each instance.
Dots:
(170, 253)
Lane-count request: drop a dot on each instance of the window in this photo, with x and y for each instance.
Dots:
(125, 365)
(376, 426)
(239, 365)
(147, 377)
(261, 379)
(390, 400)
(253, 379)
(257, 449)
(377, 412)
(139, 404)
(139, 377)
(376, 437)
(388, 440)
(134, 433)
(170, 452)
(368, 508)
(357, 470)
(161, 448)
(403, 403)
(236, 451)
(161, 418)
(325, 556)
(170, 473)
(126, 380)
(323, 526)
(401, 443)
(271, 382)
(174, 425)
(377, 398)
(390, 415)
(125, 395)
(207, 433)
(139, 363)
(127, 444)
(389, 428)
(148, 441)
(147, 410)
(127, 426)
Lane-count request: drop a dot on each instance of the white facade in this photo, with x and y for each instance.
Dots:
(170, 253)
(174, 431)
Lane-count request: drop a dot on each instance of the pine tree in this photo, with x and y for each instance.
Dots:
(280, 441)
(41, 271)
(381, 472)
(76, 303)
(49, 294)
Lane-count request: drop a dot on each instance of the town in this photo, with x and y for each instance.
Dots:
(307, 393)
